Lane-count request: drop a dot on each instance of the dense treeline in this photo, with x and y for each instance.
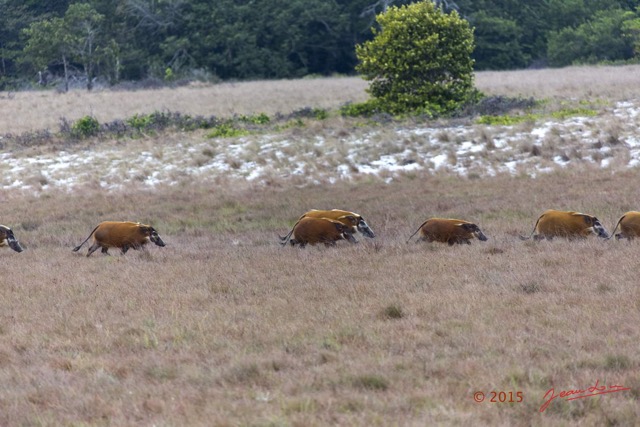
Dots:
(515, 34)
(125, 40)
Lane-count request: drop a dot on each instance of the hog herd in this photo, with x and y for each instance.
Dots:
(329, 226)
(317, 226)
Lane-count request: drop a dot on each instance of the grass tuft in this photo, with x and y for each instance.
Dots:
(393, 311)
(617, 362)
(370, 382)
(530, 287)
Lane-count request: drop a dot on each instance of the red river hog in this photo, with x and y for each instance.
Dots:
(629, 226)
(568, 224)
(320, 230)
(8, 239)
(449, 231)
(124, 235)
(350, 219)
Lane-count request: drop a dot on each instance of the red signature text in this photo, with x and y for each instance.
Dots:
(594, 390)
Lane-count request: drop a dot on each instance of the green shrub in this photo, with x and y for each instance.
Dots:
(226, 130)
(360, 109)
(258, 119)
(320, 114)
(139, 121)
(168, 74)
(85, 127)
(419, 60)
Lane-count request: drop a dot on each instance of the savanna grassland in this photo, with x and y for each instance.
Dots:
(223, 326)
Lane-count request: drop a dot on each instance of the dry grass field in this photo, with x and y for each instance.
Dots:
(223, 326)
(33, 111)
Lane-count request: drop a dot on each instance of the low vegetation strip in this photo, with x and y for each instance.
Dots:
(304, 150)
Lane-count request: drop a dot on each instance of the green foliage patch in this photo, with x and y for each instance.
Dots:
(573, 112)
(320, 114)
(105, 42)
(360, 109)
(419, 60)
(140, 122)
(257, 119)
(507, 120)
(85, 127)
(226, 130)
(510, 120)
(608, 34)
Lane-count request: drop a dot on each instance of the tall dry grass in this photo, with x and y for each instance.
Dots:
(33, 111)
(225, 327)
(587, 83)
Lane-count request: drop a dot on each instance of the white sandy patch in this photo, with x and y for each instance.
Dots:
(320, 158)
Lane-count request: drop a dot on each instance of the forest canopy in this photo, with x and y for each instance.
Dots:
(168, 40)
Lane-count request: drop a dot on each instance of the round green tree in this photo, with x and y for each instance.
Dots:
(419, 60)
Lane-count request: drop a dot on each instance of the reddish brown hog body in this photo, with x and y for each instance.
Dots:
(629, 225)
(320, 230)
(567, 224)
(8, 239)
(451, 231)
(124, 235)
(350, 219)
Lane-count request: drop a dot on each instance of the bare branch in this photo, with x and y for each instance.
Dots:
(447, 5)
(153, 17)
(372, 9)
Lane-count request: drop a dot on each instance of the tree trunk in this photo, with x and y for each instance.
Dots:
(89, 69)
(89, 65)
(66, 73)
(117, 70)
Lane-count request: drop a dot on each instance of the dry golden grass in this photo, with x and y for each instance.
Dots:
(588, 83)
(225, 327)
(32, 111)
